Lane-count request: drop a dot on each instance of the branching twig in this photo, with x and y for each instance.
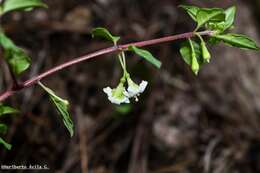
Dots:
(12, 90)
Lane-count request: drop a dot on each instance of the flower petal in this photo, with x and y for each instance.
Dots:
(114, 98)
(142, 86)
(135, 90)
(132, 91)
(108, 91)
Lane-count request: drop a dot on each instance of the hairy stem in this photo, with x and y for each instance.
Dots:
(11, 91)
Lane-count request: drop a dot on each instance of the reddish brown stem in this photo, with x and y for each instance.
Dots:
(11, 91)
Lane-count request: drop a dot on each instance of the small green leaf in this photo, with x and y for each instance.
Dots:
(217, 27)
(230, 17)
(191, 10)
(105, 34)
(206, 15)
(185, 52)
(11, 5)
(15, 56)
(62, 107)
(7, 110)
(5, 144)
(146, 55)
(209, 15)
(221, 26)
(3, 128)
(238, 40)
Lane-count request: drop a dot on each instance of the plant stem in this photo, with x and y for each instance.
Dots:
(11, 91)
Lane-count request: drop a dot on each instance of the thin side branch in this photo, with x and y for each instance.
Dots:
(11, 91)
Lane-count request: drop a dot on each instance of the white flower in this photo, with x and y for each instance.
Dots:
(135, 90)
(117, 95)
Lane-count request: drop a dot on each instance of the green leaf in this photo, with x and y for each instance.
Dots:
(62, 107)
(5, 144)
(15, 56)
(185, 52)
(191, 10)
(11, 5)
(221, 26)
(146, 55)
(230, 17)
(105, 34)
(3, 128)
(7, 110)
(209, 15)
(238, 40)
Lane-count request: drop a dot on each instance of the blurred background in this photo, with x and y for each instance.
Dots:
(182, 124)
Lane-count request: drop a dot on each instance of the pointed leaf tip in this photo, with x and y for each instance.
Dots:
(191, 10)
(230, 17)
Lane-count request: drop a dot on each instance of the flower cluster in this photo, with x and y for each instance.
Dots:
(120, 95)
